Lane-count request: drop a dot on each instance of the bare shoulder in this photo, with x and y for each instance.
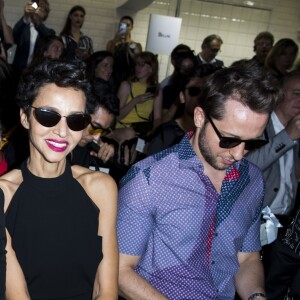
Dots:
(99, 186)
(9, 183)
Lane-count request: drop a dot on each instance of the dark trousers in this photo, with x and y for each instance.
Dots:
(284, 273)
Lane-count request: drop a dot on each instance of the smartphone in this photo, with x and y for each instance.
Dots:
(123, 27)
(93, 146)
(151, 89)
(35, 4)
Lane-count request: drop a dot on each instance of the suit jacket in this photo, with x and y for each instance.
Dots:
(21, 33)
(217, 62)
(267, 159)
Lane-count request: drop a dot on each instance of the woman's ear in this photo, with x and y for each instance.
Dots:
(24, 119)
(199, 117)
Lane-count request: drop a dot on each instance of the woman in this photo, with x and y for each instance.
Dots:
(61, 241)
(78, 46)
(140, 98)
(51, 47)
(99, 69)
(281, 58)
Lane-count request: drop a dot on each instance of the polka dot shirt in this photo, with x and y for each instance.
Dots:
(187, 234)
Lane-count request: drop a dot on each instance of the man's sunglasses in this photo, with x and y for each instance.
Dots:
(231, 142)
(94, 130)
(193, 91)
(50, 118)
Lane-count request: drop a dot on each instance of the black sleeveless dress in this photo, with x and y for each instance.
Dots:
(54, 229)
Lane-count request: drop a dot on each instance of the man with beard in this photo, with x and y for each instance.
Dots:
(189, 216)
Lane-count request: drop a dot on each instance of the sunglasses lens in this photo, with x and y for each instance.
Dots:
(228, 143)
(46, 117)
(194, 91)
(77, 122)
(255, 144)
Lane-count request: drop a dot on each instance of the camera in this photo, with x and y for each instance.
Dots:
(35, 4)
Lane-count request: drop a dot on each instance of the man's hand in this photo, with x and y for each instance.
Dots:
(105, 152)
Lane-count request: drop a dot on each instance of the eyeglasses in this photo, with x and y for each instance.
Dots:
(94, 130)
(49, 118)
(231, 142)
(193, 91)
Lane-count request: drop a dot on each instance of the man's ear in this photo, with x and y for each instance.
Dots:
(199, 117)
(181, 97)
(24, 119)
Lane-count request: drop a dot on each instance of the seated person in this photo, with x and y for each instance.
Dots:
(137, 105)
(184, 64)
(95, 151)
(170, 133)
(51, 47)
(99, 69)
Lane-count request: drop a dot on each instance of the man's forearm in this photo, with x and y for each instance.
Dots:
(250, 279)
(132, 286)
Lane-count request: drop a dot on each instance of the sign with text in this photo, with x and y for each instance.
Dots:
(163, 34)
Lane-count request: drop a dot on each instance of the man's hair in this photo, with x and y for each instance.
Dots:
(246, 83)
(210, 38)
(201, 71)
(128, 18)
(179, 49)
(264, 35)
(62, 74)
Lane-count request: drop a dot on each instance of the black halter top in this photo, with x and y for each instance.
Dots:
(54, 229)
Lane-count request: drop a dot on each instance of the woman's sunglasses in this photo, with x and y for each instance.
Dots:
(231, 142)
(50, 118)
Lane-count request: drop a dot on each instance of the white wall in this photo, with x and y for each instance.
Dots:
(281, 17)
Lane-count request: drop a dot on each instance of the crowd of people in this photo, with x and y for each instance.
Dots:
(116, 185)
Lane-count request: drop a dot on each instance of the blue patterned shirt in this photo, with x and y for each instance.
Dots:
(187, 234)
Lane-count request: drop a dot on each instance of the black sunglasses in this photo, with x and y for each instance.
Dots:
(231, 142)
(49, 118)
(193, 91)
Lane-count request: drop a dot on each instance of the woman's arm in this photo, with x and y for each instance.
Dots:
(7, 30)
(16, 287)
(126, 107)
(106, 281)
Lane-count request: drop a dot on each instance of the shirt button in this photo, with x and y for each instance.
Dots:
(213, 262)
(216, 234)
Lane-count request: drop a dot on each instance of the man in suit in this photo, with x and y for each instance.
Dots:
(210, 47)
(279, 158)
(28, 31)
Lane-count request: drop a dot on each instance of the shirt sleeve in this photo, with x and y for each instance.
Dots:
(135, 213)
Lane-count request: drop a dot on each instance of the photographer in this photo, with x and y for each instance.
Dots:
(29, 30)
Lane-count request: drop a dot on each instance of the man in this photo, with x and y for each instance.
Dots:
(263, 43)
(171, 133)
(28, 31)
(95, 150)
(189, 216)
(210, 48)
(278, 159)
